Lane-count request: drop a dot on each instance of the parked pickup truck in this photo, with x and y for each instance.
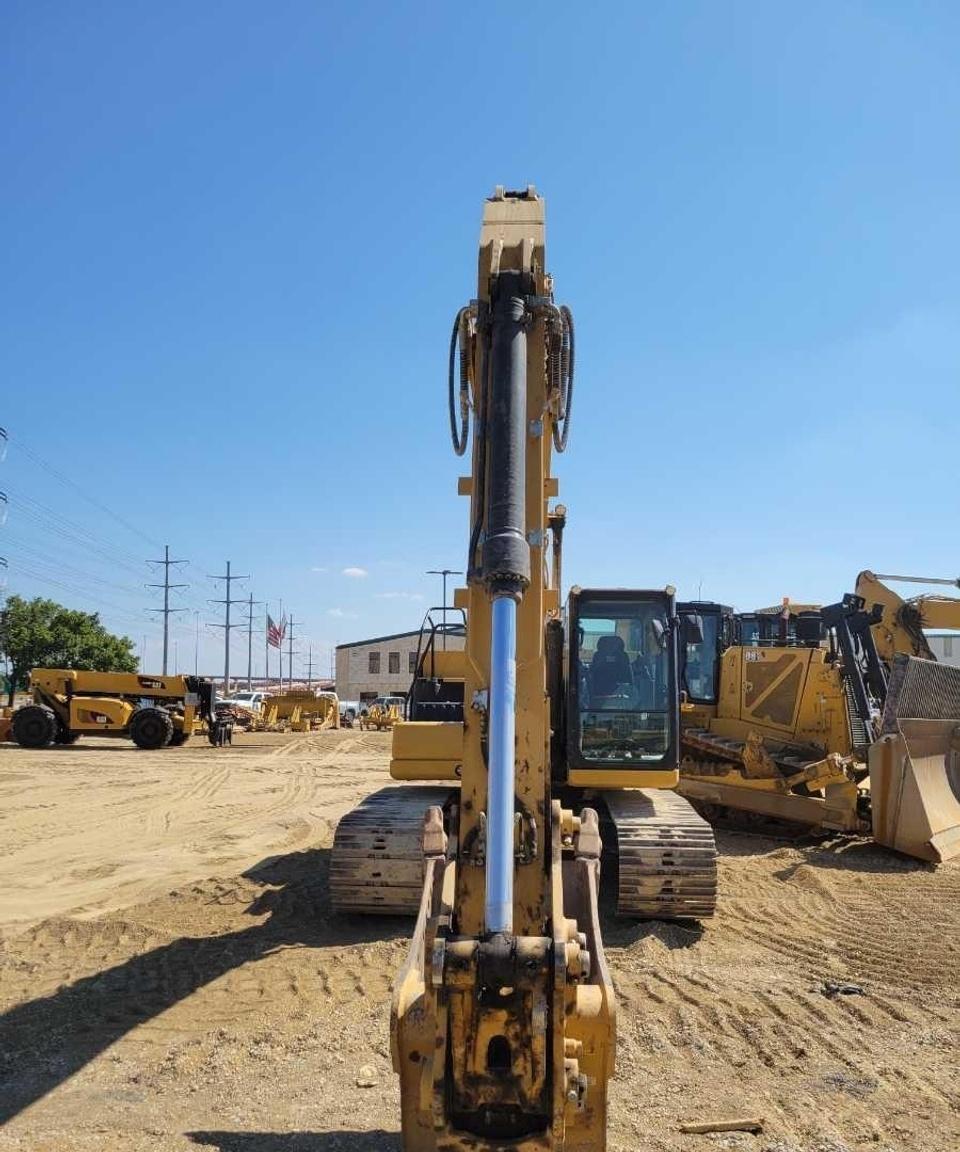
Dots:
(252, 701)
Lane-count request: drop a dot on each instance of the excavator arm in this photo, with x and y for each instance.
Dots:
(900, 629)
(503, 1017)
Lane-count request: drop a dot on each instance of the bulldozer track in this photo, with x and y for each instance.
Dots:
(377, 863)
(667, 856)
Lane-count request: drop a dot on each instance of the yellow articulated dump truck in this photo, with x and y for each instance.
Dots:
(152, 711)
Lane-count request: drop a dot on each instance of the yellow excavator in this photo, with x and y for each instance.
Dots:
(901, 624)
(830, 717)
(503, 1017)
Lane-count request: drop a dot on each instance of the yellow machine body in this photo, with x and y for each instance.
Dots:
(153, 711)
(553, 1030)
(380, 716)
(900, 629)
(783, 738)
(303, 710)
(788, 694)
(103, 703)
(503, 1021)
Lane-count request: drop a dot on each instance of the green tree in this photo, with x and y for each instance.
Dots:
(40, 633)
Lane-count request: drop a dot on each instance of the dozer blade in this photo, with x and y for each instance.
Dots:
(915, 764)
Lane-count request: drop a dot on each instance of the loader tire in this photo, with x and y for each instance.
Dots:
(151, 728)
(65, 736)
(34, 726)
(178, 739)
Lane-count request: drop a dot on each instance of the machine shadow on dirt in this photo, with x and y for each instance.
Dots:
(374, 1140)
(49, 1039)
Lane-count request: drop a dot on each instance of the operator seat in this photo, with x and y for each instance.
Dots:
(609, 667)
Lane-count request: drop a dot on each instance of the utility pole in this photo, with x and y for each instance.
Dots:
(290, 652)
(250, 604)
(283, 626)
(196, 643)
(226, 625)
(166, 609)
(310, 666)
(444, 572)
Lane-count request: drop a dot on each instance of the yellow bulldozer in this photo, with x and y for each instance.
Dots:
(153, 711)
(825, 717)
(546, 724)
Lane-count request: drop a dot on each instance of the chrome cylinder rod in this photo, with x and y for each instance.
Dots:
(498, 905)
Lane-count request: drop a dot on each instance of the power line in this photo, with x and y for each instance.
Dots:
(226, 626)
(18, 444)
(166, 609)
(37, 556)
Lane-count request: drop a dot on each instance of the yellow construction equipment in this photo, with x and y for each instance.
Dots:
(384, 712)
(900, 628)
(153, 711)
(796, 716)
(302, 710)
(503, 1017)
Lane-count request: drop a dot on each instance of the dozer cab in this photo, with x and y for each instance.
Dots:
(795, 716)
(153, 711)
(503, 1017)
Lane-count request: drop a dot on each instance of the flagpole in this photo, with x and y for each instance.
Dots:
(280, 647)
(266, 648)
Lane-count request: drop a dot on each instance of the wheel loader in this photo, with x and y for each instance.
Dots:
(796, 716)
(549, 721)
(153, 711)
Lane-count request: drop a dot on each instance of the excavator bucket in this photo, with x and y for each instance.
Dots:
(915, 764)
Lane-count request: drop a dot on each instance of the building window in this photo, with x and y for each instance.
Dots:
(373, 665)
(948, 645)
(393, 663)
(412, 663)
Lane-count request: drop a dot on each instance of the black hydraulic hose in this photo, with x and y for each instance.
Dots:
(479, 497)
(561, 428)
(459, 440)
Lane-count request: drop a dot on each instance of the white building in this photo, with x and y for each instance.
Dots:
(945, 646)
(382, 666)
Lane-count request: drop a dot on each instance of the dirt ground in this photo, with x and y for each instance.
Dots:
(172, 977)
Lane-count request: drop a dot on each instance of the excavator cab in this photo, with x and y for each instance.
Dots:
(622, 681)
(706, 631)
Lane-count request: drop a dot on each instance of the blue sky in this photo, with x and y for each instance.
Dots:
(235, 236)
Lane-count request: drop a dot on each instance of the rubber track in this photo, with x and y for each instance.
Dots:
(377, 862)
(667, 856)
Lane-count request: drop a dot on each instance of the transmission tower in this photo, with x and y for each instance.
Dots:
(226, 625)
(166, 609)
(250, 604)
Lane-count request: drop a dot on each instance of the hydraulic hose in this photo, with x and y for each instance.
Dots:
(561, 427)
(458, 335)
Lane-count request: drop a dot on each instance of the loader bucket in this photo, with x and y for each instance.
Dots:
(915, 764)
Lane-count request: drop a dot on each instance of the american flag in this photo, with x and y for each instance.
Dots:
(275, 631)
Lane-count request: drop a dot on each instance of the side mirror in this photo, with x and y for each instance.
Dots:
(659, 630)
